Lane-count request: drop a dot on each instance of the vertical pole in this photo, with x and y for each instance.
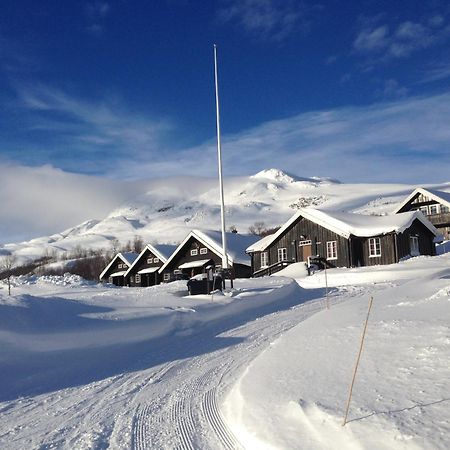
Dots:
(219, 156)
(357, 362)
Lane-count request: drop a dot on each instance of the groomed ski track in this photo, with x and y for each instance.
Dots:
(168, 405)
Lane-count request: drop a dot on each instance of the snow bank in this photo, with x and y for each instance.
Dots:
(294, 394)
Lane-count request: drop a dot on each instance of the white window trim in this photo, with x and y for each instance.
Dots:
(194, 252)
(375, 247)
(137, 278)
(166, 276)
(281, 251)
(334, 254)
(303, 243)
(149, 260)
(203, 251)
(265, 258)
(156, 260)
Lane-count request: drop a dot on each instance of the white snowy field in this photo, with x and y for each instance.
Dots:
(84, 366)
(293, 395)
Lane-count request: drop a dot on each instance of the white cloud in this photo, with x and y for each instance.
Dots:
(402, 141)
(96, 13)
(271, 20)
(436, 73)
(44, 200)
(402, 40)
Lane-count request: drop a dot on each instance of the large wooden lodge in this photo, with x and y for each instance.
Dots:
(341, 239)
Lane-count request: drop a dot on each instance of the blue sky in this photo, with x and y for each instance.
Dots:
(354, 90)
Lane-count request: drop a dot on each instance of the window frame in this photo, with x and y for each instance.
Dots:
(283, 252)
(137, 278)
(333, 255)
(166, 276)
(155, 260)
(203, 251)
(149, 260)
(264, 256)
(194, 251)
(375, 250)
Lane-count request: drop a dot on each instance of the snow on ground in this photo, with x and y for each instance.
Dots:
(293, 395)
(87, 366)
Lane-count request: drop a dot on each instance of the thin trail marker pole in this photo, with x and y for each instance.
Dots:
(357, 362)
(326, 287)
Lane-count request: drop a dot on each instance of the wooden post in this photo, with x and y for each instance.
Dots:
(326, 285)
(357, 362)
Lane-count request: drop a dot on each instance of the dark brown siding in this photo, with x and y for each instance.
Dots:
(149, 279)
(388, 255)
(426, 245)
(184, 256)
(118, 281)
(302, 230)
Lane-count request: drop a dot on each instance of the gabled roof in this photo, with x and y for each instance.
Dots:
(160, 251)
(439, 196)
(236, 245)
(126, 257)
(349, 224)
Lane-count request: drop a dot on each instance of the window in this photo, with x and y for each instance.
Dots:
(434, 209)
(444, 209)
(264, 259)
(282, 254)
(304, 243)
(331, 249)
(132, 279)
(203, 251)
(414, 245)
(424, 210)
(138, 278)
(194, 252)
(166, 276)
(374, 247)
(149, 260)
(156, 260)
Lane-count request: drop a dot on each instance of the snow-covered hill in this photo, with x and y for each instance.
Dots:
(169, 208)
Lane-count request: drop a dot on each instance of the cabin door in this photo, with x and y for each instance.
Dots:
(305, 250)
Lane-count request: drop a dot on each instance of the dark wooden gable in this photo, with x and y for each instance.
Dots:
(294, 238)
(117, 266)
(146, 261)
(185, 255)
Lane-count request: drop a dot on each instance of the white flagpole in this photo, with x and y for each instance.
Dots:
(219, 155)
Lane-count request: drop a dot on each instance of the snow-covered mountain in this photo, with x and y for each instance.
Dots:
(169, 208)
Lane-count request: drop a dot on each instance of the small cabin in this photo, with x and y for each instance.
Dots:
(115, 271)
(340, 239)
(145, 269)
(433, 204)
(202, 249)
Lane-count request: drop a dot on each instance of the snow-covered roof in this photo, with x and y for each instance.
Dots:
(160, 251)
(148, 270)
(439, 196)
(349, 224)
(127, 257)
(118, 274)
(191, 264)
(236, 245)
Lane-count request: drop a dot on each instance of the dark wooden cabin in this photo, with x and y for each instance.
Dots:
(115, 271)
(343, 240)
(145, 269)
(201, 249)
(433, 204)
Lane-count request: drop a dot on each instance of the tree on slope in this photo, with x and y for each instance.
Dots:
(7, 265)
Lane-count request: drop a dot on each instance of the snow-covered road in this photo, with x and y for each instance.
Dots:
(169, 396)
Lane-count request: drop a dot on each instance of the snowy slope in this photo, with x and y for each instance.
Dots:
(294, 394)
(169, 208)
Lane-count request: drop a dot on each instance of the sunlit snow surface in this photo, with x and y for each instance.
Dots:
(265, 366)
